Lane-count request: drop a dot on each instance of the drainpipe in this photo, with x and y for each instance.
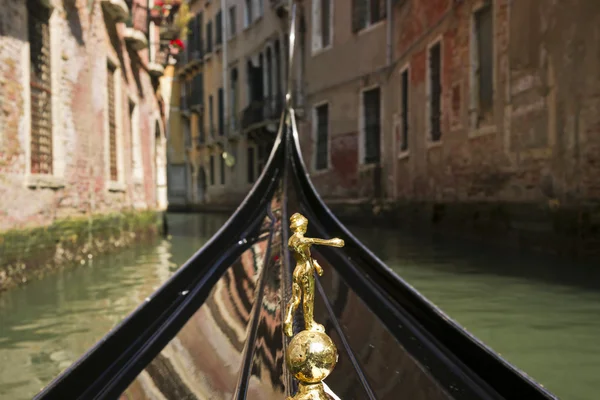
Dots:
(389, 40)
(390, 27)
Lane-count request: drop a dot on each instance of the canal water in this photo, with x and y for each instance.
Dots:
(541, 314)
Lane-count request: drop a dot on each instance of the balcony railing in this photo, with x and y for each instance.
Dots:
(260, 111)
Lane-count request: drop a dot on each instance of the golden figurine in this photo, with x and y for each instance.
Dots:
(311, 354)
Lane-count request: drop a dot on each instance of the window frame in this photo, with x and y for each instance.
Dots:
(54, 180)
(316, 28)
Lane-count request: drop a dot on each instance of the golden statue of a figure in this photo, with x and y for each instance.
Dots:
(311, 354)
(303, 285)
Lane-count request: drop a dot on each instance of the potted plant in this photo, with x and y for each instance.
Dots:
(175, 46)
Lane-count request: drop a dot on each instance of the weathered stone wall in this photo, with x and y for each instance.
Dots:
(83, 42)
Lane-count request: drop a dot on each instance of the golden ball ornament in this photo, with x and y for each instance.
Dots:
(311, 356)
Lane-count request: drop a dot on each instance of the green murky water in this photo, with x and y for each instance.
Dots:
(540, 314)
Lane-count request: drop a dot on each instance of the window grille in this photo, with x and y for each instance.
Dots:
(41, 88)
(112, 125)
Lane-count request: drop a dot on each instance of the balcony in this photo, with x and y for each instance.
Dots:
(261, 112)
(136, 33)
(155, 69)
(117, 10)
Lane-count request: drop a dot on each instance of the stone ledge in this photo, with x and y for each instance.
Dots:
(30, 253)
(36, 181)
(116, 186)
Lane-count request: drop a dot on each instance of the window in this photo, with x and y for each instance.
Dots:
(198, 30)
(41, 89)
(371, 105)
(221, 111)
(482, 67)
(366, 13)
(233, 88)
(136, 150)
(222, 168)
(211, 121)
(404, 101)
(209, 37)
(112, 125)
(218, 28)
(250, 164)
(232, 22)
(211, 168)
(435, 92)
(321, 24)
(322, 137)
(247, 13)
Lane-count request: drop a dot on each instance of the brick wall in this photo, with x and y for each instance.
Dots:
(83, 42)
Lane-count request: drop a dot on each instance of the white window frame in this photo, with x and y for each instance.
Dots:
(119, 184)
(362, 127)
(400, 120)
(315, 137)
(316, 34)
(56, 179)
(430, 142)
(474, 111)
(137, 161)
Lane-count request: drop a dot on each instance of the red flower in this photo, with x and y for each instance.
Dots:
(178, 43)
(158, 3)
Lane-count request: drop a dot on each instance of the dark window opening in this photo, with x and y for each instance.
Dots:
(435, 99)
(219, 28)
(212, 169)
(372, 124)
(221, 112)
(325, 19)
(209, 37)
(485, 59)
(232, 21)
(222, 169)
(404, 112)
(366, 13)
(322, 123)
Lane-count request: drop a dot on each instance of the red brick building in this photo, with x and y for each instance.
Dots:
(81, 129)
(484, 116)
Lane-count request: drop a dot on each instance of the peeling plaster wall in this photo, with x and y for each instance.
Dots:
(83, 41)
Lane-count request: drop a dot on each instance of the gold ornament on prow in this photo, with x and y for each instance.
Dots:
(311, 355)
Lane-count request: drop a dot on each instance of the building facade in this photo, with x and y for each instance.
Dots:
(230, 83)
(82, 132)
(472, 113)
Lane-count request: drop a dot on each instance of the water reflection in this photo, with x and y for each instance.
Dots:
(540, 313)
(48, 324)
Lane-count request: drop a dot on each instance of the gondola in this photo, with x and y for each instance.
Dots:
(216, 328)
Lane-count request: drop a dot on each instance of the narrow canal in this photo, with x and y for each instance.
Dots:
(540, 314)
